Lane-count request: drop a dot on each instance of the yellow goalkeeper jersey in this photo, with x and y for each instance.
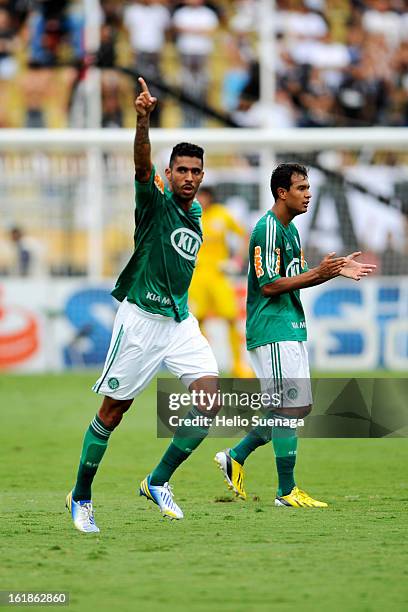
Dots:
(217, 223)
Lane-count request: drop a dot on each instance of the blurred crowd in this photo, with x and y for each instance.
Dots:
(336, 62)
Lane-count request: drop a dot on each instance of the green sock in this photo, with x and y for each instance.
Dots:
(284, 440)
(259, 436)
(94, 446)
(185, 441)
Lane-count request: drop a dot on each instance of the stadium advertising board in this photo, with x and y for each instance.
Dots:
(52, 325)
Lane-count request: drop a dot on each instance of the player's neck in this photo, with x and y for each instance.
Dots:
(282, 213)
(185, 205)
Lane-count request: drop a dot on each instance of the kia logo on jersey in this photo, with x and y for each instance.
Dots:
(293, 268)
(186, 242)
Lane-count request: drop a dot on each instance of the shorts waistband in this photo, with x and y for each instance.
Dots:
(150, 315)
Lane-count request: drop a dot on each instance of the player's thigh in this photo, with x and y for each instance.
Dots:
(293, 368)
(134, 356)
(224, 298)
(293, 359)
(283, 369)
(189, 355)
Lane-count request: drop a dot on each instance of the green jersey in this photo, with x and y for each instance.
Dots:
(274, 252)
(167, 240)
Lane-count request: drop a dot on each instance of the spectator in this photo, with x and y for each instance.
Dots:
(28, 254)
(299, 22)
(111, 13)
(364, 91)
(18, 11)
(398, 97)
(8, 64)
(112, 114)
(105, 58)
(236, 75)
(244, 18)
(281, 113)
(51, 23)
(106, 55)
(147, 22)
(354, 42)
(195, 25)
(112, 86)
(330, 56)
(381, 18)
(318, 110)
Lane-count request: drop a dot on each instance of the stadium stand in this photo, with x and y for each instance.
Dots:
(329, 68)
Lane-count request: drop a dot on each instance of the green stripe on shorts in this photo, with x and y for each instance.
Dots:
(112, 355)
(276, 366)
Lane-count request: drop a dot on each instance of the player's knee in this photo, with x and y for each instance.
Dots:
(112, 411)
(207, 390)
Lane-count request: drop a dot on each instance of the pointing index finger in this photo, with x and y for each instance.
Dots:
(143, 85)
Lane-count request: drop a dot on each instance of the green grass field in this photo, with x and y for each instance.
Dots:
(226, 555)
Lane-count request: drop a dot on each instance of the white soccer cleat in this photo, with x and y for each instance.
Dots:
(82, 514)
(162, 495)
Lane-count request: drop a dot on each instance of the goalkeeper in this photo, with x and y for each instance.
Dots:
(211, 292)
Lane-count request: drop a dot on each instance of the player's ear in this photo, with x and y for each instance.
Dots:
(167, 172)
(282, 193)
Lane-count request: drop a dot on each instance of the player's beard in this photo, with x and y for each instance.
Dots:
(185, 197)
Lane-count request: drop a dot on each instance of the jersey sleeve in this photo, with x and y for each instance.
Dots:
(266, 252)
(150, 194)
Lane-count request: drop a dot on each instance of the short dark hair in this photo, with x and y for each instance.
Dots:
(282, 176)
(186, 149)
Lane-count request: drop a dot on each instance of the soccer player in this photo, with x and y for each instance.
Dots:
(211, 291)
(276, 330)
(153, 326)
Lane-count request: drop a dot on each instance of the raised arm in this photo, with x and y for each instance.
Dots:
(145, 103)
(329, 267)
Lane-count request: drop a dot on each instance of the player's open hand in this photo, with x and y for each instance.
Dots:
(355, 270)
(330, 266)
(145, 103)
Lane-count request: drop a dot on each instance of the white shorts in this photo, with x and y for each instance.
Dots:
(284, 367)
(142, 343)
